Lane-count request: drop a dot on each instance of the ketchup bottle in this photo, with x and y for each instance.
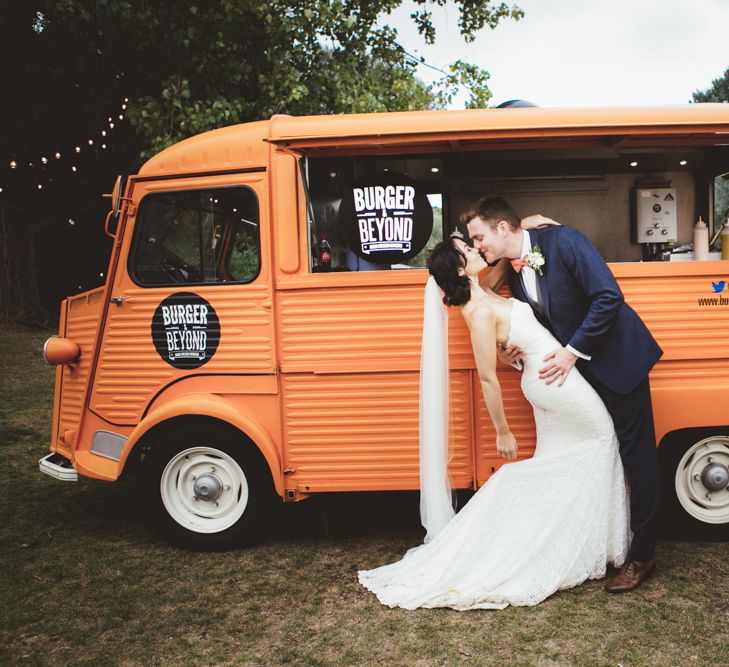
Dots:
(325, 255)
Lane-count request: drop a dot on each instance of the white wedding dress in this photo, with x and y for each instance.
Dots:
(538, 525)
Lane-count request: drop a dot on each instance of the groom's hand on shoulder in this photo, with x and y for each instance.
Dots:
(538, 221)
(559, 364)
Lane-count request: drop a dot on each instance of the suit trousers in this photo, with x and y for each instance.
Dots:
(632, 415)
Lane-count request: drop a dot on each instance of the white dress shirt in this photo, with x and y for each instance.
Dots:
(529, 276)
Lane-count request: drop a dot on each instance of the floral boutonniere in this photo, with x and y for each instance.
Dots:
(535, 260)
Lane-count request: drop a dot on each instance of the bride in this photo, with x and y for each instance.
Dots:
(538, 525)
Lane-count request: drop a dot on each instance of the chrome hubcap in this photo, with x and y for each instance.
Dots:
(715, 476)
(208, 487)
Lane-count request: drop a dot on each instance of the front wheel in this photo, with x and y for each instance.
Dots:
(695, 478)
(208, 487)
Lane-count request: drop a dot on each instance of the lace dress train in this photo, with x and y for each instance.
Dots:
(537, 526)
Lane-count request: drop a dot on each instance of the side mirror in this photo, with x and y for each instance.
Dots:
(116, 199)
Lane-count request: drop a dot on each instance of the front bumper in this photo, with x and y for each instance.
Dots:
(59, 467)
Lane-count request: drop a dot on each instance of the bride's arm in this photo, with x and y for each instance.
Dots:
(496, 278)
(483, 340)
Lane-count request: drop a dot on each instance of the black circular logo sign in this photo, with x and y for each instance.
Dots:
(185, 330)
(386, 219)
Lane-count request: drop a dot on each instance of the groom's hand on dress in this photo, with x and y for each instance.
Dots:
(506, 445)
(508, 355)
(559, 364)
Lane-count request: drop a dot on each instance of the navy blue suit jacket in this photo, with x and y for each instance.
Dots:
(584, 308)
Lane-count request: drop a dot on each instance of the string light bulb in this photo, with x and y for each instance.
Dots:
(44, 160)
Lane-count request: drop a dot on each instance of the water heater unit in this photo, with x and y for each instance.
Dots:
(656, 220)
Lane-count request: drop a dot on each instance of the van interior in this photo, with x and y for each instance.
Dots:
(591, 185)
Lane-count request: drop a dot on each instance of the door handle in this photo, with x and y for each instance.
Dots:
(118, 300)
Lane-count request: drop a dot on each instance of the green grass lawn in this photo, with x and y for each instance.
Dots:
(86, 581)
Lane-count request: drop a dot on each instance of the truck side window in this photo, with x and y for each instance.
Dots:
(373, 213)
(193, 237)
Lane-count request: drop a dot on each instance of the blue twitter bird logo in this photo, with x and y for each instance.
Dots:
(718, 287)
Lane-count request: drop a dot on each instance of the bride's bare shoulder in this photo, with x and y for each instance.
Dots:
(478, 313)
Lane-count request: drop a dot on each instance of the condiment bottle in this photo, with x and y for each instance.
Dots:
(325, 255)
(725, 241)
(701, 241)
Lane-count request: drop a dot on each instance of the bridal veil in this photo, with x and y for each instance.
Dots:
(436, 507)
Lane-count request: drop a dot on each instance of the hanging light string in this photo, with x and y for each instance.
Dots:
(71, 156)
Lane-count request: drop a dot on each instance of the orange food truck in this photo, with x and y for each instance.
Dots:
(258, 335)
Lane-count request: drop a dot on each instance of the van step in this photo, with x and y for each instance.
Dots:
(59, 467)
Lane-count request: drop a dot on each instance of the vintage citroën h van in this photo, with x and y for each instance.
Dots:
(258, 335)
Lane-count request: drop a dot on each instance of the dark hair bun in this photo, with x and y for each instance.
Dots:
(443, 263)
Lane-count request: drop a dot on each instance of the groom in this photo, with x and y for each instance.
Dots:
(572, 292)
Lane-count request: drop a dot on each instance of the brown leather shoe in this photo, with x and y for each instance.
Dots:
(631, 575)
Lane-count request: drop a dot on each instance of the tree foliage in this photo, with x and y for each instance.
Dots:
(190, 67)
(187, 67)
(718, 92)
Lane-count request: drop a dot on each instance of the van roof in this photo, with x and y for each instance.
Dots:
(247, 145)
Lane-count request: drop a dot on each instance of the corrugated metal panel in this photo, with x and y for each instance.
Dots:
(675, 310)
(519, 415)
(368, 328)
(82, 322)
(693, 373)
(360, 431)
(130, 371)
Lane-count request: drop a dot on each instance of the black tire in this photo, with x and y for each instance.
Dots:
(209, 446)
(676, 520)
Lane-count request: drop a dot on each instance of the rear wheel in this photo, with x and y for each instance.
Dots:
(695, 478)
(208, 487)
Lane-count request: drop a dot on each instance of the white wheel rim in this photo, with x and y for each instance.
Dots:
(709, 506)
(177, 489)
